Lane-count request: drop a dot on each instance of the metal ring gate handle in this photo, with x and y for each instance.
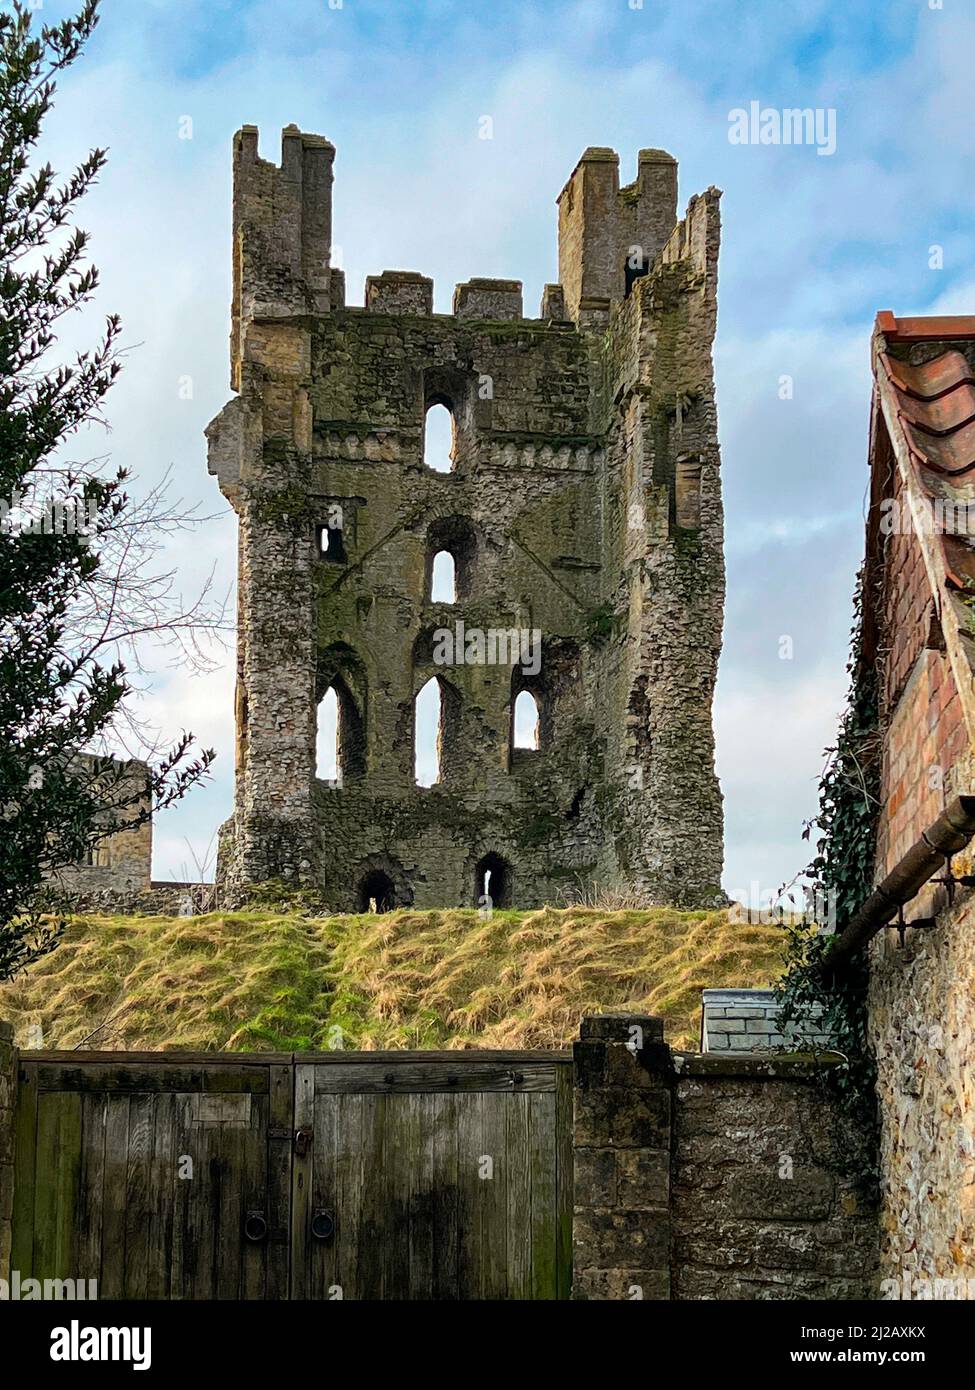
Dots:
(323, 1225)
(255, 1226)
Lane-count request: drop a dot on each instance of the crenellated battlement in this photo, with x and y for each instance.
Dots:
(608, 237)
(282, 232)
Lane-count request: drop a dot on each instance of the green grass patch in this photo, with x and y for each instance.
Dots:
(263, 981)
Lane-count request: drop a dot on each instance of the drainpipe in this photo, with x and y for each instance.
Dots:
(950, 833)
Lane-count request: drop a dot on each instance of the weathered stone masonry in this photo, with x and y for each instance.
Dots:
(120, 865)
(712, 1177)
(583, 501)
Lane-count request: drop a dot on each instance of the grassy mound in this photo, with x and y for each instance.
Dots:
(259, 981)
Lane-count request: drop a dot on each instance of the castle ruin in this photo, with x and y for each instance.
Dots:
(581, 519)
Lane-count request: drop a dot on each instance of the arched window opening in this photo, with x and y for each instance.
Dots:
(438, 438)
(427, 733)
(443, 578)
(377, 893)
(451, 557)
(492, 881)
(340, 740)
(525, 722)
(327, 764)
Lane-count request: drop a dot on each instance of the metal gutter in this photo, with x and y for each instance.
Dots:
(950, 833)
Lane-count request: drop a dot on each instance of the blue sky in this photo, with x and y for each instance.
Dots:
(812, 247)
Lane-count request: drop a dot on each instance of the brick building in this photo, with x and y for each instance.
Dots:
(920, 632)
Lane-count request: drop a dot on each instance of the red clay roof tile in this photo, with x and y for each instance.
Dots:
(941, 328)
(935, 408)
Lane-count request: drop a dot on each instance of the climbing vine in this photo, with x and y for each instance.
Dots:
(839, 877)
(602, 623)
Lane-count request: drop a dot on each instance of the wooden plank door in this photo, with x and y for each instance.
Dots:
(157, 1176)
(432, 1176)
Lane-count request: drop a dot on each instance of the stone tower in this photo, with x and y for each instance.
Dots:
(582, 516)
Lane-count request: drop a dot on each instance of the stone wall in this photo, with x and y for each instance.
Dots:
(8, 1093)
(583, 505)
(712, 1177)
(922, 1028)
(159, 899)
(763, 1206)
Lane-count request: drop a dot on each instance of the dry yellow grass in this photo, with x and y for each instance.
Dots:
(259, 981)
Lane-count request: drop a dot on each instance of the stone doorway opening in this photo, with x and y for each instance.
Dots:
(377, 892)
(492, 879)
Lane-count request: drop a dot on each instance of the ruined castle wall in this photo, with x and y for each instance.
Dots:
(567, 431)
(672, 565)
(526, 487)
(121, 862)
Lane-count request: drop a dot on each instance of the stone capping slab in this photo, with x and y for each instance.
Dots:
(765, 1066)
(725, 998)
(738, 996)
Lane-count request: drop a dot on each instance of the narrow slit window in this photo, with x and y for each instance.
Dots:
(327, 739)
(331, 544)
(438, 439)
(687, 492)
(637, 265)
(525, 721)
(443, 581)
(427, 722)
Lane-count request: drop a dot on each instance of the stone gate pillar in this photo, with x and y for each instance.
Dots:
(622, 1139)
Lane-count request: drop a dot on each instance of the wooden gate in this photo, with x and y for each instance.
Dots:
(438, 1178)
(341, 1175)
(141, 1171)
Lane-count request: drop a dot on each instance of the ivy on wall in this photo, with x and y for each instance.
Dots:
(839, 877)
